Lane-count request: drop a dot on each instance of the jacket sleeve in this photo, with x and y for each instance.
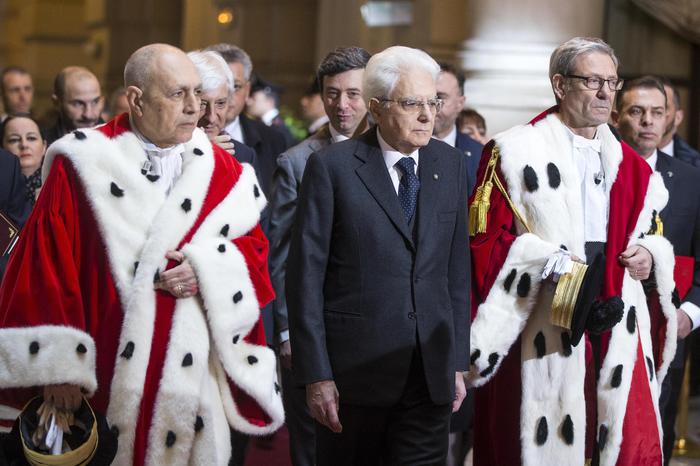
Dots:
(459, 272)
(308, 259)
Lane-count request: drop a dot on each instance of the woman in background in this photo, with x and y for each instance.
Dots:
(21, 136)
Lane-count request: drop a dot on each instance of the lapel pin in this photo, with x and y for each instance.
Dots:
(670, 174)
(435, 176)
(468, 152)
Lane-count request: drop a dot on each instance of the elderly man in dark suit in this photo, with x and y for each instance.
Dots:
(450, 89)
(378, 277)
(340, 75)
(671, 143)
(641, 109)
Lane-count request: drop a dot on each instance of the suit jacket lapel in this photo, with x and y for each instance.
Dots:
(663, 167)
(376, 179)
(250, 134)
(428, 169)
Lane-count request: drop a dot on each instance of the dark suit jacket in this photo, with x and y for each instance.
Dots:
(279, 124)
(267, 143)
(13, 199)
(283, 207)
(245, 154)
(683, 151)
(472, 152)
(681, 219)
(362, 293)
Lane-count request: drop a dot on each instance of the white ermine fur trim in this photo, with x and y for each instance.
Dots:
(504, 313)
(655, 200)
(47, 355)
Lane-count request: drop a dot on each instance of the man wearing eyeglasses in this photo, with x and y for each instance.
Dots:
(560, 190)
(378, 277)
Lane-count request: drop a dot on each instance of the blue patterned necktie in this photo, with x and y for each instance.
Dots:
(408, 187)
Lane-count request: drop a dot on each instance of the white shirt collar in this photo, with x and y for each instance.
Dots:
(451, 138)
(336, 136)
(668, 148)
(651, 160)
(235, 131)
(320, 121)
(391, 155)
(153, 150)
(583, 143)
(164, 162)
(269, 116)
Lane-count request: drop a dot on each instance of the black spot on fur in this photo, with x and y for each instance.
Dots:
(152, 178)
(602, 436)
(567, 430)
(187, 360)
(136, 266)
(561, 246)
(156, 276)
(566, 344)
(475, 355)
(236, 338)
(170, 439)
(221, 248)
(493, 360)
(252, 360)
(553, 175)
(34, 347)
(115, 430)
(542, 431)
(144, 171)
(277, 387)
(81, 349)
(237, 297)
(128, 350)
(224, 230)
(256, 191)
(631, 319)
(508, 282)
(116, 190)
(198, 424)
(642, 235)
(186, 205)
(79, 135)
(530, 178)
(616, 376)
(524, 285)
(540, 345)
(197, 151)
(597, 179)
(650, 365)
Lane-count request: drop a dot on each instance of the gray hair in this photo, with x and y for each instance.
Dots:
(233, 54)
(213, 70)
(562, 59)
(386, 67)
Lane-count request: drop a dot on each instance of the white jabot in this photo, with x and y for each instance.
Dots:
(451, 138)
(269, 116)
(391, 156)
(164, 162)
(320, 121)
(651, 160)
(336, 136)
(235, 131)
(668, 148)
(594, 196)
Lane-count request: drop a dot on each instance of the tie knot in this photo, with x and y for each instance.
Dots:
(406, 165)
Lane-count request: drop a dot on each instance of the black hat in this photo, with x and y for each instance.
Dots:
(91, 441)
(270, 88)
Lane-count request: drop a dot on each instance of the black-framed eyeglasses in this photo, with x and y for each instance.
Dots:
(595, 83)
(410, 105)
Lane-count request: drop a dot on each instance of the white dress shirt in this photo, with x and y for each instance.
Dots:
(667, 149)
(235, 131)
(165, 162)
(336, 136)
(651, 160)
(451, 138)
(586, 154)
(391, 156)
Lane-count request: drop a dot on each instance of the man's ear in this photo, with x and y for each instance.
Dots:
(134, 97)
(615, 117)
(559, 86)
(374, 108)
(678, 119)
(56, 102)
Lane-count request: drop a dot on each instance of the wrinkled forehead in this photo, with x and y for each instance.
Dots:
(173, 72)
(594, 64)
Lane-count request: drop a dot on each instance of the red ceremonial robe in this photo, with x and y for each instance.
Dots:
(534, 409)
(78, 306)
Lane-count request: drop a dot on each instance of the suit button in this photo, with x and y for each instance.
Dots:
(412, 315)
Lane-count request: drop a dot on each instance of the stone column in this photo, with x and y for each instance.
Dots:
(506, 54)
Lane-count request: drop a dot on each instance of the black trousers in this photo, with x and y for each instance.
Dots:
(302, 431)
(412, 432)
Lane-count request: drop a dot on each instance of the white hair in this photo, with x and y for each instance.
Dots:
(386, 67)
(213, 70)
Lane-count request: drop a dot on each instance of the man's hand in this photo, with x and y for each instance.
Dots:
(180, 281)
(286, 355)
(638, 262)
(63, 396)
(685, 325)
(225, 142)
(460, 392)
(323, 401)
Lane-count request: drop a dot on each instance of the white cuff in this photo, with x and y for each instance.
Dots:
(284, 334)
(693, 312)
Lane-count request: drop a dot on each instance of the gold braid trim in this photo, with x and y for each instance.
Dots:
(478, 210)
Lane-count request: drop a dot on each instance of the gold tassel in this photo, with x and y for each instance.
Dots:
(479, 208)
(659, 225)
